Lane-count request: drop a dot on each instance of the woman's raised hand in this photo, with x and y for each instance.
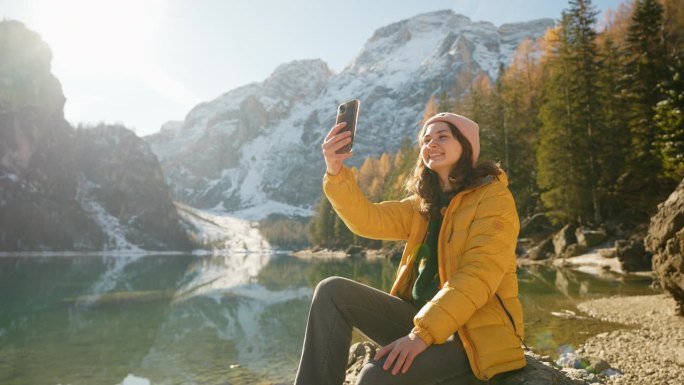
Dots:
(332, 143)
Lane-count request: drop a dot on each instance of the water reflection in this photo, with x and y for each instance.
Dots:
(550, 297)
(217, 319)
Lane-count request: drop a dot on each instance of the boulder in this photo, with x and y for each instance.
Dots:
(574, 249)
(632, 255)
(668, 220)
(665, 239)
(537, 371)
(355, 251)
(590, 238)
(607, 253)
(542, 251)
(564, 238)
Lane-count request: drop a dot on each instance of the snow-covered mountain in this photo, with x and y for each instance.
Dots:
(255, 150)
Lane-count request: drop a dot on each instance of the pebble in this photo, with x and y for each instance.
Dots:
(647, 353)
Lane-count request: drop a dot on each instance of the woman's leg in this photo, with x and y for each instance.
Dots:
(339, 305)
(443, 364)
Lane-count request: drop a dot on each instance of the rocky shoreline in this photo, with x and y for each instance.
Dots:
(650, 353)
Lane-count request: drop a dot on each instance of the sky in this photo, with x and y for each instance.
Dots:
(141, 63)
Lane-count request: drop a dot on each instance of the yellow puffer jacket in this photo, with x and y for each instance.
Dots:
(476, 254)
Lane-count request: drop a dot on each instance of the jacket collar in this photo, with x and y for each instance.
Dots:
(489, 179)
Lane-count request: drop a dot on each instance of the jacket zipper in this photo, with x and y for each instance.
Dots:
(510, 317)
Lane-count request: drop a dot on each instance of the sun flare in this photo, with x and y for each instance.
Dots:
(100, 35)
(93, 40)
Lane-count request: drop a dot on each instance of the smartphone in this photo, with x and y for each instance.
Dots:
(348, 112)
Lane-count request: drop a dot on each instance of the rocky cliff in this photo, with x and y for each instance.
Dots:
(66, 189)
(665, 240)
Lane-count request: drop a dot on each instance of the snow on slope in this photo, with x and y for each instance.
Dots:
(109, 224)
(271, 131)
(224, 232)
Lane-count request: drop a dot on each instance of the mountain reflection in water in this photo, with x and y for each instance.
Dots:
(215, 319)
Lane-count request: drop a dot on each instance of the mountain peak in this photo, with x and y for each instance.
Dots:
(296, 66)
(303, 77)
(259, 143)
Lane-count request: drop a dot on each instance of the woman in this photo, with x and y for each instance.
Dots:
(453, 314)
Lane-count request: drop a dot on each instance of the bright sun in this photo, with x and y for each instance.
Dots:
(99, 34)
(97, 42)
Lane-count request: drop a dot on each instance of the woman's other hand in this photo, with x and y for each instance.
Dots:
(401, 353)
(332, 143)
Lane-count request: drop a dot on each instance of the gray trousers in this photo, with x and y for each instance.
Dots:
(338, 306)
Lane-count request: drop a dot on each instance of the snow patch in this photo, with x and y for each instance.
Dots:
(224, 232)
(268, 207)
(109, 224)
(134, 380)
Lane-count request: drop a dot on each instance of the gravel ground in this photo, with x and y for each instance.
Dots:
(652, 352)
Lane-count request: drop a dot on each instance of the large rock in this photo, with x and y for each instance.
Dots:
(563, 239)
(665, 240)
(542, 251)
(632, 255)
(537, 372)
(590, 238)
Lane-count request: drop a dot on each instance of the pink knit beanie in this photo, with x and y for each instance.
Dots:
(467, 127)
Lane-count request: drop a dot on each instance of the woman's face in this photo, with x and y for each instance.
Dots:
(440, 150)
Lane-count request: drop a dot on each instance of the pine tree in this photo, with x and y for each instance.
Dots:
(430, 109)
(669, 118)
(557, 178)
(499, 119)
(402, 166)
(571, 120)
(583, 19)
(520, 93)
(444, 103)
(673, 23)
(320, 231)
(644, 69)
(613, 139)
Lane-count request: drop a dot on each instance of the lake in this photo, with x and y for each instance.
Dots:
(216, 319)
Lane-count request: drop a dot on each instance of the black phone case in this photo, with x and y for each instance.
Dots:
(348, 112)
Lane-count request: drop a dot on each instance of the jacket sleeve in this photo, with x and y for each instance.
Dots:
(489, 251)
(390, 220)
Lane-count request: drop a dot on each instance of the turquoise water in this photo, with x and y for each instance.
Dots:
(220, 319)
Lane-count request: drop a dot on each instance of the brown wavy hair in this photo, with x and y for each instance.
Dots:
(424, 183)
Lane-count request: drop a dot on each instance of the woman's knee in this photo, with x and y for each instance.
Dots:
(330, 287)
(370, 374)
